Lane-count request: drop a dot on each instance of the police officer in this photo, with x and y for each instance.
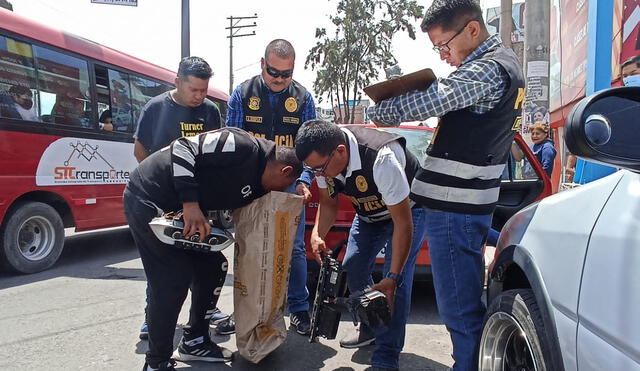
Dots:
(374, 169)
(459, 183)
(221, 169)
(272, 105)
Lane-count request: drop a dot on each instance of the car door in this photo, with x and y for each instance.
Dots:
(523, 182)
(608, 335)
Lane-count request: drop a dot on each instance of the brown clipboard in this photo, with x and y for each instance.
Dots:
(419, 80)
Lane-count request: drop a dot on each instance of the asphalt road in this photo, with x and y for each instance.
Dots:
(85, 312)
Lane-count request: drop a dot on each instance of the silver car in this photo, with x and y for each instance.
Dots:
(564, 289)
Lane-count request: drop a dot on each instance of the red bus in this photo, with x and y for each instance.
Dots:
(58, 169)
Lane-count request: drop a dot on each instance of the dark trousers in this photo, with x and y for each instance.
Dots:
(170, 272)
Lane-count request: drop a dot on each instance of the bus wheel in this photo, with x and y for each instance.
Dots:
(32, 237)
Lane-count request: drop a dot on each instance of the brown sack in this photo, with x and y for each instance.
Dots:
(265, 231)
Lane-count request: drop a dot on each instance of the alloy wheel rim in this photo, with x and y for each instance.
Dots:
(505, 346)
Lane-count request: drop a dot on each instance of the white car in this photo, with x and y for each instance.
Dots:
(564, 289)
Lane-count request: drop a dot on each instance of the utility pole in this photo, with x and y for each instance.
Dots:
(233, 32)
(186, 46)
(536, 58)
(506, 21)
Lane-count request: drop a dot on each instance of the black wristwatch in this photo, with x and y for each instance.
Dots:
(395, 277)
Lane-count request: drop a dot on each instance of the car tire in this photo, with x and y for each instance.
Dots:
(224, 218)
(513, 334)
(32, 237)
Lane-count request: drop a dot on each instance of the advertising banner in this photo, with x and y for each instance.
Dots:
(630, 30)
(568, 51)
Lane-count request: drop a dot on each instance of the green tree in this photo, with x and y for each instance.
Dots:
(361, 46)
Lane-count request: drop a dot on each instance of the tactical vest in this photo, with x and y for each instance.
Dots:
(480, 140)
(279, 123)
(360, 186)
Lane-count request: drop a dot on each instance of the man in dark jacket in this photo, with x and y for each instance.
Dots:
(221, 169)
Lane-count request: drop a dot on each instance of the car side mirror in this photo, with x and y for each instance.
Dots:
(605, 127)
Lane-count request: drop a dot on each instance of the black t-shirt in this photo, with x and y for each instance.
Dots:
(162, 120)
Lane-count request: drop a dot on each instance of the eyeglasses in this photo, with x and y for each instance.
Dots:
(445, 47)
(320, 169)
(277, 73)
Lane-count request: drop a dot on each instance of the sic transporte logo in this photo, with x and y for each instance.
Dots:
(77, 161)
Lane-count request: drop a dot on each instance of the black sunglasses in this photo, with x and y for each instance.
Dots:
(319, 169)
(277, 73)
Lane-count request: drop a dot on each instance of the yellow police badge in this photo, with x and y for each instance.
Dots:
(361, 183)
(254, 103)
(291, 105)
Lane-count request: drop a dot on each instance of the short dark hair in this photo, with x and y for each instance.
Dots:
(106, 114)
(281, 48)
(194, 66)
(287, 156)
(320, 136)
(451, 15)
(17, 90)
(630, 61)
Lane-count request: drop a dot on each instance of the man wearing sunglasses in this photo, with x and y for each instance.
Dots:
(273, 106)
(374, 169)
(459, 181)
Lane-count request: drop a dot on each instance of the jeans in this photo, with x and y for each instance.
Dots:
(170, 272)
(365, 241)
(298, 295)
(455, 247)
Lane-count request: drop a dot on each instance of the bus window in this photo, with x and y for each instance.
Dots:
(142, 90)
(18, 94)
(120, 101)
(63, 81)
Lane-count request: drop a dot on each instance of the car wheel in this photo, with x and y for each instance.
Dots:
(32, 237)
(225, 218)
(513, 334)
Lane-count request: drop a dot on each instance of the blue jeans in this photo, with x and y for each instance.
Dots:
(297, 292)
(365, 241)
(455, 247)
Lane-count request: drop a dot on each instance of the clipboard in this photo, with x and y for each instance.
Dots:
(419, 80)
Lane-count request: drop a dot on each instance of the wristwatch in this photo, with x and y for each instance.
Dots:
(396, 277)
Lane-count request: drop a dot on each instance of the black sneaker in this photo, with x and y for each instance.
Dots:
(164, 366)
(227, 326)
(218, 316)
(201, 349)
(360, 336)
(301, 322)
(144, 331)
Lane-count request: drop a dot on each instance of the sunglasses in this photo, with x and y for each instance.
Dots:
(277, 73)
(320, 169)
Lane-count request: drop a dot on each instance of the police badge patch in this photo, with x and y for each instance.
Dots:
(361, 183)
(291, 105)
(254, 103)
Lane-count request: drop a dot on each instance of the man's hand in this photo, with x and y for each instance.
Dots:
(303, 190)
(194, 221)
(318, 248)
(387, 286)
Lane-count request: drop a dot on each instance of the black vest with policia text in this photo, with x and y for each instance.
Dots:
(279, 123)
(360, 186)
(466, 157)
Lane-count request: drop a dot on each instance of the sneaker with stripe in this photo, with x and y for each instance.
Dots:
(201, 349)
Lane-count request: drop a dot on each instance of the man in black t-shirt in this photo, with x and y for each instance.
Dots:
(221, 169)
(182, 112)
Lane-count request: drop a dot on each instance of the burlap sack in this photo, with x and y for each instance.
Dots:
(265, 231)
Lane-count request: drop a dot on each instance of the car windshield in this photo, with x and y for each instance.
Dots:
(417, 140)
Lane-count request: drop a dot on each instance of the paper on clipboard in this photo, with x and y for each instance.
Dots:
(419, 80)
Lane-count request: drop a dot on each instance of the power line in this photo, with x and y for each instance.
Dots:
(233, 32)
